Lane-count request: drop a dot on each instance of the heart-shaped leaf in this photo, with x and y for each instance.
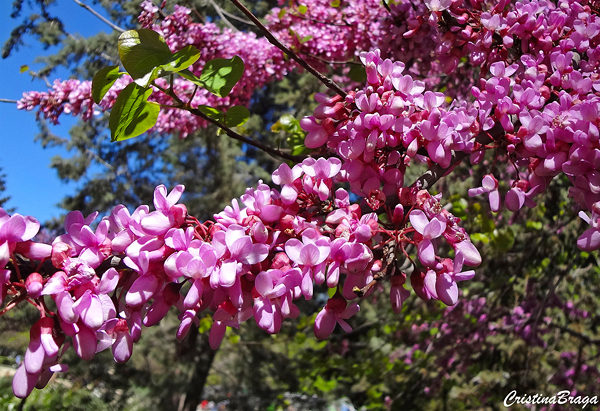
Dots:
(103, 81)
(142, 51)
(182, 59)
(211, 112)
(236, 116)
(220, 75)
(132, 113)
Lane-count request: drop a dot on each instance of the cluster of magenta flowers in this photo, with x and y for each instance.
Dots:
(263, 63)
(467, 330)
(537, 105)
(96, 288)
(381, 129)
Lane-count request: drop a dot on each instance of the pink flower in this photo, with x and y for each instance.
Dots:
(336, 311)
(430, 230)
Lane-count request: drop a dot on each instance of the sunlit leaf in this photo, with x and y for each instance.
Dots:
(132, 113)
(220, 75)
(103, 81)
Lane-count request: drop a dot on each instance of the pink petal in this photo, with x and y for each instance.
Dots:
(494, 198)
(324, 324)
(194, 294)
(217, 332)
(419, 220)
(515, 198)
(430, 282)
(447, 290)
(263, 283)
(426, 252)
(309, 255)
(84, 343)
(589, 240)
(434, 228)
(109, 281)
(23, 382)
(469, 252)
(256, 254)
(292, 248)
(122, 347)
(228, 274)
(142, 289)
(34, 356)
(464, 275)
(156, 223)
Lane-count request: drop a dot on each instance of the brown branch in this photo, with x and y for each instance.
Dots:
(236, 136)
(582, 337)
(221, 15)
(431, 176)
(332, 85)
(99, 16)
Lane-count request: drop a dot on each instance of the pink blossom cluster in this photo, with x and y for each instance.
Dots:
(263, 63)
(379, 130)
(548, 103)
(259, 255)
(466, 331)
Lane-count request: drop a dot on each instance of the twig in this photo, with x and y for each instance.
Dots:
(230, 132)
(233, 16)
(431, 176)
(220, 13)
(100, 16)
(577, 334)
(332, 85)
(8, 100)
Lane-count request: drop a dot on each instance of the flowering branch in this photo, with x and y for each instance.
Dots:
(231, 133)
(100, 16)
(332, 85)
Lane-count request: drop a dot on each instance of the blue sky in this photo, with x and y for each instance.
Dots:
(33, 186)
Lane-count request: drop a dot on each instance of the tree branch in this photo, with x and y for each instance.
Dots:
(431, 176)
(236, 136)
(221, 15)
(332, 85)
(99, 16)
(577, 334)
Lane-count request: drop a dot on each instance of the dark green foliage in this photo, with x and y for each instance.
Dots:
(4, 198)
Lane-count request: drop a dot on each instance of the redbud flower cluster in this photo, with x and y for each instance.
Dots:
(258, 256)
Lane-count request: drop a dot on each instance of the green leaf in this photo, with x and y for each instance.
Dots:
(305, 39)
(335, 3)
(220, 75)
(295, 135)
(358, 73)
(188, 75)
(211, 112)
(302, 9)
(132, 114)
(142, 52)
(182, 59)
(24, 68)
(103, 81)
(236, 116)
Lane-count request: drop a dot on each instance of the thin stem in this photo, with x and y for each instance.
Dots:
(431, 176)
(228, 131)
(233, 16)
(222, 16)
(332, 85)
(100, 16)
(8, 100)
